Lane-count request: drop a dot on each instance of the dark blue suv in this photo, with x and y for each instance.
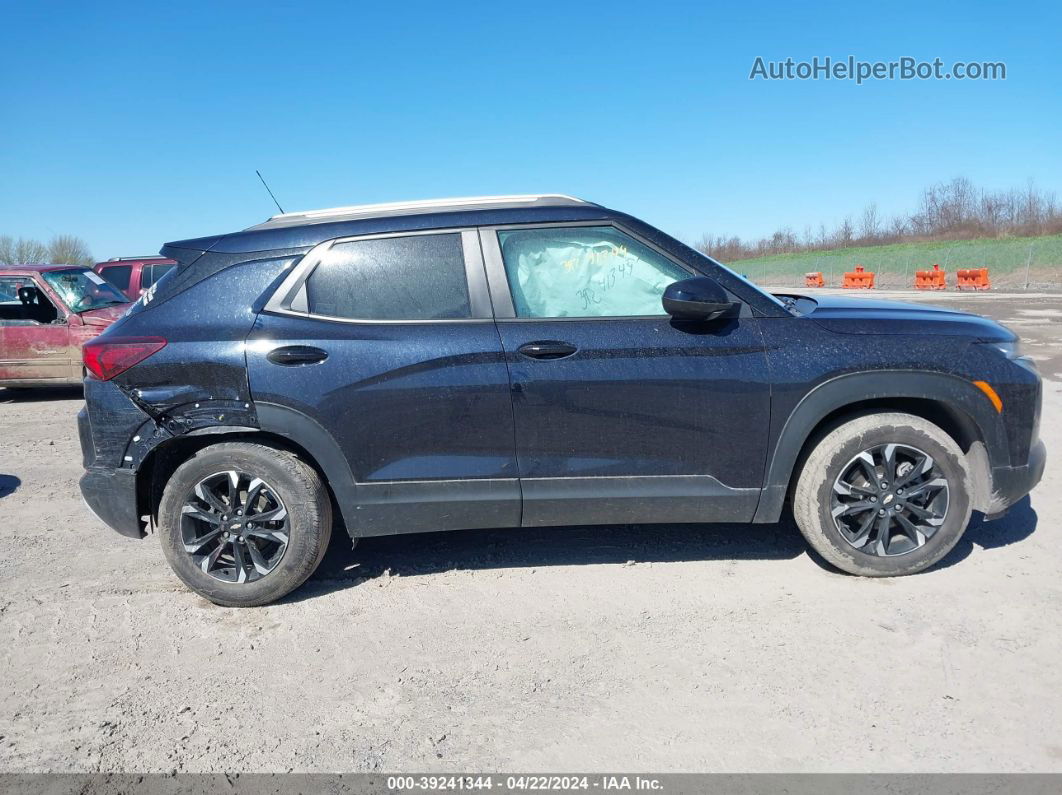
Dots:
(524, 361)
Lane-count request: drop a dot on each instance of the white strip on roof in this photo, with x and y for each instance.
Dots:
(426, 204)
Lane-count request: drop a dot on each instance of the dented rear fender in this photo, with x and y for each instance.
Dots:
(197, 381)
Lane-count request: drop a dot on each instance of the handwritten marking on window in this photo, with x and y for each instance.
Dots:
(597, 256)
(589, 297)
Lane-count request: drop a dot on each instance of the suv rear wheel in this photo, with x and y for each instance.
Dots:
(243, 524)
(883, 495)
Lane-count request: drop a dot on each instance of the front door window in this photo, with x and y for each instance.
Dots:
(595, 271)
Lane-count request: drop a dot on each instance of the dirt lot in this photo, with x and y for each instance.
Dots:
(698, 648)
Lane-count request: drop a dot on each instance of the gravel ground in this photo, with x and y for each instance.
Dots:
(692, 648)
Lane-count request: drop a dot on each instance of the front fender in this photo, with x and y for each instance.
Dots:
(955, 394)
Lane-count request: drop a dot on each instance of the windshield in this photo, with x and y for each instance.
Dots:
(82, 290)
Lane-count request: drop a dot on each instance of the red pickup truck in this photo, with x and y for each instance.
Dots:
(47, 312)
(133, 275)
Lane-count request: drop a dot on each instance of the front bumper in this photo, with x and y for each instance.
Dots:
(1010, 484)
(111, 495)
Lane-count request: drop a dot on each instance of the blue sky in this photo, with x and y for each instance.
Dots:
(133, 124)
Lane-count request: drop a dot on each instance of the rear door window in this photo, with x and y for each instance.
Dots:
(152, 273)
(415, 277)
(118, 275)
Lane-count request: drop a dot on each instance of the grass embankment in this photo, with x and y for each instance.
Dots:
(1008, 261)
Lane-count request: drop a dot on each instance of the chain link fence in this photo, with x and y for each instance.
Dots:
(1014, 264)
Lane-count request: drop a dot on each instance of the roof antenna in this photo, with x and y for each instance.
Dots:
(271, 196)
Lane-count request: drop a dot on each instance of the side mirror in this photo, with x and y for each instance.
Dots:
(699, 298)
(74, 320)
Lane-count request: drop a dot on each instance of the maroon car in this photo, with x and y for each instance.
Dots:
(47, 312)
(133, 275)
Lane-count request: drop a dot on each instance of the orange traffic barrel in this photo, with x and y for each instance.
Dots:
(930, 280)
(859, 279)
(973, 279)
(814, 280)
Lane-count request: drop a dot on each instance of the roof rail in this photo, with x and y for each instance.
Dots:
(395, 208)
(125, 259)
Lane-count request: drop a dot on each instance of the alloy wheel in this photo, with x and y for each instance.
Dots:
(234, 525)
(889, 500)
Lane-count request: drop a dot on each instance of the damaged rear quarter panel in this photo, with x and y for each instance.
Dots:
(199, 380)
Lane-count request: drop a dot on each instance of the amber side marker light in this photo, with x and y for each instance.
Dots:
(986, 387)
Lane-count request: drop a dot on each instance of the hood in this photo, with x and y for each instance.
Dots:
(871, 316)
(104, 316)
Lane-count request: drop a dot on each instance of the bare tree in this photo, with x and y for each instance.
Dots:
(61, 250)
(954, 210)
(69, 250)
(23, 250)
(844, 232)
(868, 228)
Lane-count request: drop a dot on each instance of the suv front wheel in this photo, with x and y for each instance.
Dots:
(883, 495)
(243, 524)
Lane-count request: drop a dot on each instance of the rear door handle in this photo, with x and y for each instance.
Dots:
(546, 349)
(290, 355)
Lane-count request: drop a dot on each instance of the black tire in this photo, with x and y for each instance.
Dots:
(308, 527)
(823, 476)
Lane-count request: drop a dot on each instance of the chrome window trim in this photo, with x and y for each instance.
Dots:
(290, 297)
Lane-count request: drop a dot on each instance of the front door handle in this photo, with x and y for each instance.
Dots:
(290, 355)
(546, 349)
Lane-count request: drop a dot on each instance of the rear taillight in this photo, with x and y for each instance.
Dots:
(106, 358)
